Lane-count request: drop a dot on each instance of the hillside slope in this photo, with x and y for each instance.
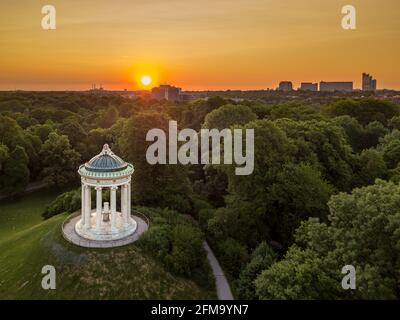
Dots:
(118, 273)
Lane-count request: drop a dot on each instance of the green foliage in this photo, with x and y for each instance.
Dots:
(154, 185)
(108, 117)
(391, 153)
(261, 259)
(228, 115)
(363, 232)
(233, 256)
(294, 111)
(353, 130)
(323, 145)
(60, 161)
(177, 242)
(16, 173)
(364, 110)
(370, 166)
(394, 123)
(74, 131)
(299, 276)
(42, 130)
(66, 202)
(4, 154)
(298, 193)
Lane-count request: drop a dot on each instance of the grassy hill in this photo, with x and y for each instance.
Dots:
(27, 243)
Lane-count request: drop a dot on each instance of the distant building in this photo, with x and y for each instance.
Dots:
(96, 89)
(368, 83)
(308, 86)
(186, 97)
(170, 93)
(285, 86)
(335, 86)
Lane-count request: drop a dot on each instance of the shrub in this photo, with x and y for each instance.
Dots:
(66, 202)
(233, 256)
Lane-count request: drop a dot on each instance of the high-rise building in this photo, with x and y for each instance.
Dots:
(308, 86)
(368, 83)
(170, 93)
(285, 86)
(335, 86)
(165, 92)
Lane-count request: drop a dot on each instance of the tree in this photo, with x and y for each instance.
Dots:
(261, 259)
(42, 130)
(164, 185)
(4, 154)
(370, 165)
(391, 153)
(298, 193)
(364, 110)
(373, 132)
(16, 172)
(108, 117)
(353, 130)
(364, 231)
(228, 115)
(323, 145)
(75, 132)
(60, 161)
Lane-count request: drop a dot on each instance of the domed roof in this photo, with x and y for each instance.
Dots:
(106, 161)
(106, 165)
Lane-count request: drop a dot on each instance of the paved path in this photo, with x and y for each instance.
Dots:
(223, 289)
(69, 233)
(31, 187)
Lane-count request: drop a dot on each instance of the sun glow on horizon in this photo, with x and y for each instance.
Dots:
(146, 80)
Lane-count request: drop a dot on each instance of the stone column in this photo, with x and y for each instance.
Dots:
(98, 207)
(124, 203)
(129, 201)
(88, 206)
(113, 199)
(83, 205)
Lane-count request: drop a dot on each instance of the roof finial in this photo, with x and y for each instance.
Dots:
(106, 148)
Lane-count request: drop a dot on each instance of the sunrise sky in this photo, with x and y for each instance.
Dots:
(207, 44)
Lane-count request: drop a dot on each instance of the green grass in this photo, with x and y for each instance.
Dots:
(21, 213)
(27, 243)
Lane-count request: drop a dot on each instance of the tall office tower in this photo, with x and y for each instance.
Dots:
(368, 83)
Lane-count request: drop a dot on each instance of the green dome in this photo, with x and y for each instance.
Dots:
(106, 164)
(106, 161)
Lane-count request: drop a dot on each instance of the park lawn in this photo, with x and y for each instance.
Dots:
(23, 212)
(118, 273)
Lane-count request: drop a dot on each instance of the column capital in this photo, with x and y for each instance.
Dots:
(98, 188)
(114, 187)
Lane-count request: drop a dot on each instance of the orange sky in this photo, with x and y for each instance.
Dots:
(208, 44)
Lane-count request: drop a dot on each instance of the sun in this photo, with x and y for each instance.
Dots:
(146, 80)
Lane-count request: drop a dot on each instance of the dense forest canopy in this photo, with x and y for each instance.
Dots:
(324, 192)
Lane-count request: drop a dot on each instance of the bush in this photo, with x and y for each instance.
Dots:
(204, 216)
(261, 259)
(66, 202)
(233, 256)
(157, 240)
(176, 241)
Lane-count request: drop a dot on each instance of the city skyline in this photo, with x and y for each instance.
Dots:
(195, 45)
